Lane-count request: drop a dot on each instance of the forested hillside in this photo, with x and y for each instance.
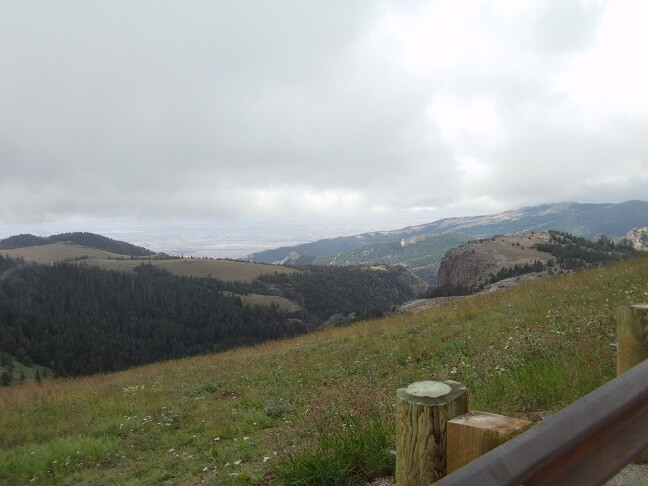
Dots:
(80, 319)
(326, 290)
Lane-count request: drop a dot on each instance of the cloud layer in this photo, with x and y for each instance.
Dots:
(257, 109)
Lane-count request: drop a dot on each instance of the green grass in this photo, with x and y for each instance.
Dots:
(28, 371)
(227, 270)
(267, 300)
(318, 408)
(346, 452)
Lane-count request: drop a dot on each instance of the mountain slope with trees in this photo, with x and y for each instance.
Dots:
(420, 254)
(80, 320)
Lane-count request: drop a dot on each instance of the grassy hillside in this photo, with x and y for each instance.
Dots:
(19, 371)
(245, 415)
(226, 270)
(57, 252)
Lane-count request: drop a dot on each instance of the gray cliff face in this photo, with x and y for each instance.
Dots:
(463, 267)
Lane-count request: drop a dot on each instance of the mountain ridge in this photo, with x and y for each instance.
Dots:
(82, 238)
(580, 219)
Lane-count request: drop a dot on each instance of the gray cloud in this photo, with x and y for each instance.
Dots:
(259, 109)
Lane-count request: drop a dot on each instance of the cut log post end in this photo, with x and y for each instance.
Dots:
(423, 412)
(475, 433)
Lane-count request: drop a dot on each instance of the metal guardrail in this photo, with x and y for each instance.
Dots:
(585, 443)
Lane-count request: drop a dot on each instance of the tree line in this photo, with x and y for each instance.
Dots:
(573, 252)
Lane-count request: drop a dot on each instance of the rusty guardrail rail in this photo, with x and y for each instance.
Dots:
(585, 443)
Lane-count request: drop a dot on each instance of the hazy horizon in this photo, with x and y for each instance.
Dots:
(234, 239)
(146, 116)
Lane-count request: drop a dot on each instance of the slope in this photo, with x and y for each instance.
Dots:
(60, 251)
(421, 254)
(253, 415)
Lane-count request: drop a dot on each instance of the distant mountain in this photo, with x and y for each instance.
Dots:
(412, 252)
(90, 240)
(585, 220)
(421, 254)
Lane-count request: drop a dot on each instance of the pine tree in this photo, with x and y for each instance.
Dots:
(5, 379)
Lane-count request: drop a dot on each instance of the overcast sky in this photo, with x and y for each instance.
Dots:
(318, 111)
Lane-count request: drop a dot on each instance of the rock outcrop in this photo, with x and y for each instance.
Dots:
(472, 264)
(636, 238)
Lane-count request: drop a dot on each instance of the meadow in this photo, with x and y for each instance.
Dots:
(59, 251)
(317, 409)
(227, 270)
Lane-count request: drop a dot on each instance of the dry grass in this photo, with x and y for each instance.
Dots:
(57, 252)
(267, 300)
(227, 270)
(221, 418)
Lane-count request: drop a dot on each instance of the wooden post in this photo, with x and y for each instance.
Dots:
(632, 343)
(475, 433)
(423, 411)
(632, 336)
